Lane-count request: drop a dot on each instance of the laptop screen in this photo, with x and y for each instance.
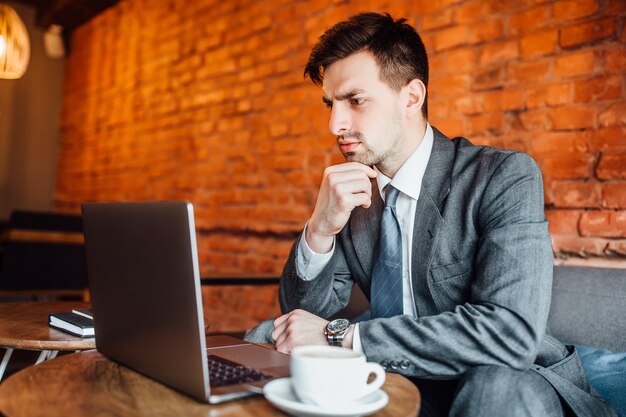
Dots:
(145, 290)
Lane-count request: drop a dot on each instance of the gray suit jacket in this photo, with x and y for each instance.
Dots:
(481, 275)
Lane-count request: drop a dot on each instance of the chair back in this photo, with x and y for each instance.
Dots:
(43, 251)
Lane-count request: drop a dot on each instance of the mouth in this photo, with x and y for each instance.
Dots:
(347, 147)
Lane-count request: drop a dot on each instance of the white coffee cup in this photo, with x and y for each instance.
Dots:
(332, 376)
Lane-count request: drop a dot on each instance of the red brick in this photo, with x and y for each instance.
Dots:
(607, 138)
(450, 126)
(614, 195)
(567, 165)
(612, 166)
(575, 64)
(438, 65)
(451, 37)
(489, 78)
(424, 6)
(509, 139)
(536, 96)
(616, 248)
(551, 95)
(535, 119)
(471, 11)
(543, 143)
(573, 117)
(503, 100)
(471, 104)
(530, 20)
(575, 194)
(598, 88)
(615, 8)
(461, 60)
(487, 30)
(573, 9)
(615, 115)
(588, 32)
(608, 224)
(486, 122)
(563, 222)
(615, 60)
(437, 20)
(538, 44)
(557, 94)
(450, 85)
(498, 53)
(533, 71)
(578, 246)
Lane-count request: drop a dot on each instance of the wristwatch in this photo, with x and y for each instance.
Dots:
(336, 330)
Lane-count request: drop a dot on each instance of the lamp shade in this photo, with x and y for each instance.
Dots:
(14, 44)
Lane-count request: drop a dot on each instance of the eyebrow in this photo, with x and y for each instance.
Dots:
(343, 96)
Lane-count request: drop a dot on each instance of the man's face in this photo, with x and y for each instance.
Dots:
(366, 114)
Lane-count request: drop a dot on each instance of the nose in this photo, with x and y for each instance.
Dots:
(339, 119)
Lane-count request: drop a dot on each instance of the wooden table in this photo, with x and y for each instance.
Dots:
(88, 384)
(25, 326)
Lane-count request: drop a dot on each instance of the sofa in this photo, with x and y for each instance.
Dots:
(589, 307)
(589, 311)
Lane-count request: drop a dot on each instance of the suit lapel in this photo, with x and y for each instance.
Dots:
(428, 219)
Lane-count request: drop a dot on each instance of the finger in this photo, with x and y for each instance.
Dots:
(348, 166)
(363, 200)
(354, 187)
(347, 202)
(336, 178)
(279, 326)
(281, 319)
(278, 331)
(281, 343)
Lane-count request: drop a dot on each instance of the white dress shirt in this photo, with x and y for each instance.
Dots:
(408, 180)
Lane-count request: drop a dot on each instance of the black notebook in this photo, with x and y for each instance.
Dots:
(72, 323)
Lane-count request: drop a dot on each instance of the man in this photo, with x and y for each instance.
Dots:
(447, 240)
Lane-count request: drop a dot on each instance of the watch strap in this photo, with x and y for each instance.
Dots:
(335, 339)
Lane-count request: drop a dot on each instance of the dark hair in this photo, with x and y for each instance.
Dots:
(396, 46)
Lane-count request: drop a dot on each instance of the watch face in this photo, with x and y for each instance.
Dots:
(338, 325)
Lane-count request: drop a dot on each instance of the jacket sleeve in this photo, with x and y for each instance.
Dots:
(324, 295)
(504, 319)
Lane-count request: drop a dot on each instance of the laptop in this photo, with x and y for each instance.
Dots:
(144, 278)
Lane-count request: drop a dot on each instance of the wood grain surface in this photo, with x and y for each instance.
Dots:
(88, 384)
(25, 326)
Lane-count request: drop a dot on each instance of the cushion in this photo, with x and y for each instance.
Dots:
(586, 306)
(606, 372)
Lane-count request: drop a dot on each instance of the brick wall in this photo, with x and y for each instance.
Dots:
(204, 100)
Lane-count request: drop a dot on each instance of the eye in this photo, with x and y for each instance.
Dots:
(357, 101)
(328, 103)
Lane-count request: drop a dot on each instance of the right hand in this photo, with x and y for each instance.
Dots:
(344, 187)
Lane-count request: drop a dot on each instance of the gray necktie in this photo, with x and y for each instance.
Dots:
(386, 291)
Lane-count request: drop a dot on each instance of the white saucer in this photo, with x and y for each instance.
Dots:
(279, 393)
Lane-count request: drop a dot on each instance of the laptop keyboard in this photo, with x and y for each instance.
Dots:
(223, 372)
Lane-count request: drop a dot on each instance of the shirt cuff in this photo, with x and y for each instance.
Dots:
(309, 264)
(356, 340)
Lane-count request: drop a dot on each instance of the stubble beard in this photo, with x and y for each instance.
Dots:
(374, 157)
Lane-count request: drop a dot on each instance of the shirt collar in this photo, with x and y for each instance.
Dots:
(409, 177)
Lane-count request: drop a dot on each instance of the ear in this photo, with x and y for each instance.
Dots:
(416, 91)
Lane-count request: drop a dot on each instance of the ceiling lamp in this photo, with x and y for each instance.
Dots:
(14, 44)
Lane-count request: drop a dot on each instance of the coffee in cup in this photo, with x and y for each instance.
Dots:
(332, 376)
